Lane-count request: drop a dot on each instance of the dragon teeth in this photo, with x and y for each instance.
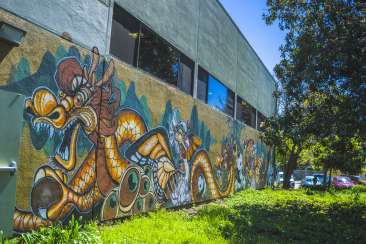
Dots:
(43, 213)
(51, 131)
(66, 153)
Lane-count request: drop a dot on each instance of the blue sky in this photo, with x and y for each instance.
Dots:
(265, 40)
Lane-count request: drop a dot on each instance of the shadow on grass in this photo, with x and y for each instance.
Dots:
(290, 221)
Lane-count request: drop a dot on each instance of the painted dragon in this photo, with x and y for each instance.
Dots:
(86, 103)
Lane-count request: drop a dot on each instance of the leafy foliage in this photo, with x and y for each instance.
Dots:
(322, 82)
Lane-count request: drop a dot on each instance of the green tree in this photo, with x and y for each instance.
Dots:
(289, 132)
(322, 76)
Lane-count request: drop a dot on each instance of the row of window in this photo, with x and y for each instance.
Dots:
(134, 43)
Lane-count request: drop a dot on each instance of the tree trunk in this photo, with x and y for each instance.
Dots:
(330, 179)
(274, 170)
(324, 186)
(289, 167)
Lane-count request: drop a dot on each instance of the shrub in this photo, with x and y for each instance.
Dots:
(73, 232)
(358, 188)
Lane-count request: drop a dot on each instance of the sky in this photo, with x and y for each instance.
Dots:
(266, 40)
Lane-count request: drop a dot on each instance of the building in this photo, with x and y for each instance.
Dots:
(130, 105)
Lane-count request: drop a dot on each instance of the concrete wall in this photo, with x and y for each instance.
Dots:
(134, 145)
(200, 29)
(85, 21)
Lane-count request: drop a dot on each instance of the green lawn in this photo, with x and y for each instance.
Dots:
(250, 216)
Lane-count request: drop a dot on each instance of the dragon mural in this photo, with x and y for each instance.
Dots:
(106, 160)
(129, 167)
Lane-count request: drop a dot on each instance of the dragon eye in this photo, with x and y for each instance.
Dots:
(54, 115)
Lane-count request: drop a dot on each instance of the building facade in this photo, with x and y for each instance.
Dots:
(131, 105)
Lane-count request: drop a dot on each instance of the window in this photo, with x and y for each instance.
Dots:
(260, 119)
(186, 75)
(158, 57)
(136, 44)
(245, 112)
(213, 92)
(124, 36)
(219, 96)
(202, 85)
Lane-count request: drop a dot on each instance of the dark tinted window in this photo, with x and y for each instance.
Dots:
(124, 36)
(260, 119)
(134, 43)
(186, 75)
(245, 112)
(202, 85)
(158, 57)
(219, 96)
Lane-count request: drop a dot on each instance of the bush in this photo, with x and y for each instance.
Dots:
(358, 189)
(73, 232)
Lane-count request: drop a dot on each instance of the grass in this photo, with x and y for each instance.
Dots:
(162, 227)
(292, 216)
(267, 216)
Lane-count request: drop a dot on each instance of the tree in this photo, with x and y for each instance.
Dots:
(289, 132)
(322, 75)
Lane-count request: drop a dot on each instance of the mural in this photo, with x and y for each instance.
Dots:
(106, 159)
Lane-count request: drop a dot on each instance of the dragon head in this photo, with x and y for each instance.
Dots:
(72, 108)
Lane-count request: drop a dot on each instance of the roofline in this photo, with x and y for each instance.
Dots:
(246, 40)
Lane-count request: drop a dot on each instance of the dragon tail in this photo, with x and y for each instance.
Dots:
(202, 166)
(24, 221)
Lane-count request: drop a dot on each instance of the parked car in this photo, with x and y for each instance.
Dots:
(320, 178)
(280, 179)
(358, 179)
(309, 182)
(342, 182)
